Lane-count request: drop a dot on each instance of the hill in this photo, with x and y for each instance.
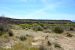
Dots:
(7, 20)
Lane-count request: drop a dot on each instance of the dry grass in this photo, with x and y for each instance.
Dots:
(67, 43)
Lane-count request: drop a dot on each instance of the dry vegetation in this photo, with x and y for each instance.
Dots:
(37, 37)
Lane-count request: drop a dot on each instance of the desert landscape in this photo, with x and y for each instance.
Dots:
(37, 24)
(26, 34)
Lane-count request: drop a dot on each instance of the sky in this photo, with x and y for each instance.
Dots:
(38, 9)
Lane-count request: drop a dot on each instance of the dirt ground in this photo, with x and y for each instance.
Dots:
(67, 43)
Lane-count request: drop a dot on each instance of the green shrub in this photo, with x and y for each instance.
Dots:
(58, 30)
(42, 25)
(26, 26)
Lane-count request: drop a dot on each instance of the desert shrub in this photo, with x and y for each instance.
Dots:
(41, 24)
(69, 35)
(33, 48)
(42, 47)
(37, 28)
(71, 29)
(1, 33)
(45, 27)
(47, 31)
(3, 29)
(49, 43)
(58, 30)
(57, 45)
(24, 26)
(10, 33)
(22, 38)
(27, 35)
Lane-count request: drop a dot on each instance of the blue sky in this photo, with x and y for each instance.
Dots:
(38, 9)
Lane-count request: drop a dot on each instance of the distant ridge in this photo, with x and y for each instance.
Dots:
(7, 20)
(73, 20)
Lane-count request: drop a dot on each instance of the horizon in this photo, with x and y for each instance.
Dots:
(36, 19)
(38, 9)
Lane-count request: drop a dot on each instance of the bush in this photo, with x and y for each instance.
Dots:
(37, 28)
(10, 33)
(69, 35)
(24, 26)
(1, 33)
(47, 31)
(22, 38)
(58, 30)
(3, 29)
(42, 47)
(71, 29)
(57, 45)
(49, 43)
